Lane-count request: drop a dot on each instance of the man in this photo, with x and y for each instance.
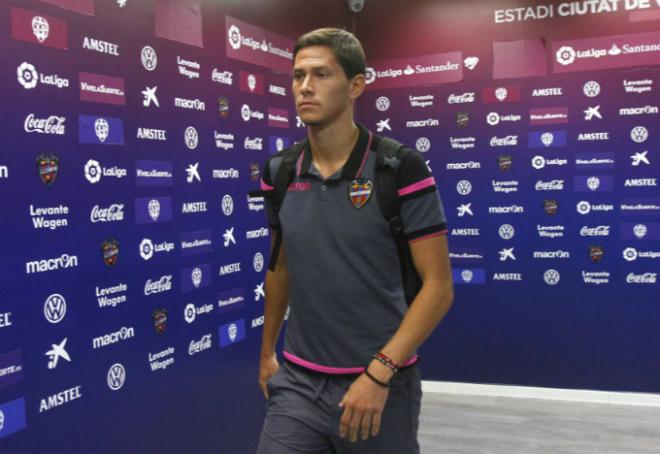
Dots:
(349, 383)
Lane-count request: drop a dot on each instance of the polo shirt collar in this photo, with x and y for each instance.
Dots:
(352, 168)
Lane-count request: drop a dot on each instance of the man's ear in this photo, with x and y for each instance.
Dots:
(357, 84)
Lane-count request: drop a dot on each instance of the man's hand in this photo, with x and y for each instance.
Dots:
(363, 404)
(268, 365)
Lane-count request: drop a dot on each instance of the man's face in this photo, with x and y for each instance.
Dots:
(320, 88)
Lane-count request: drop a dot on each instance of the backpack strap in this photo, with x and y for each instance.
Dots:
(284, 169)
(389, 155)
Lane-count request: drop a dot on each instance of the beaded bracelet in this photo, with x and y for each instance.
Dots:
(386, 361)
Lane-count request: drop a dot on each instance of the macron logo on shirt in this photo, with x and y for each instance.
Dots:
(299, 187)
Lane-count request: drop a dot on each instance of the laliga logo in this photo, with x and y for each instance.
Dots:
(551, 277)
(583, 207)
(593, 183)
(101, 129)
(245, 112)
(196, 276)
(471, 62)
(493, 118)
(191, 137)
(423, 144)
(639, 134)
(565, 55)
(630, 254)
(467, 276)
(40, 28)
(538, 162)
(154, 209)
(93, 171)
(370, 75)
(234, 36)
(116, 376)
(640, 231)
(501, 93)
(146, 249)
(547, 139)
(189, 313)
(149, 58)
(232, 332)
(464, 187)
(27, 75)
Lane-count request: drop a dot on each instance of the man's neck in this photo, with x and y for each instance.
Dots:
(332, 145)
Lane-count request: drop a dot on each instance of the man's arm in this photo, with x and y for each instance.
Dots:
(365, 400)
(275, 306)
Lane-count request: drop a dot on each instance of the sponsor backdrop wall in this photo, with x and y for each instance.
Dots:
(539, 120)
(133, 259)
(131, 132)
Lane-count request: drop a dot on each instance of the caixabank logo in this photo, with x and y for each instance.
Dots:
(100, 130)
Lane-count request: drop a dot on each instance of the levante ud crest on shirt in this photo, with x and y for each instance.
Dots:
(359, 191)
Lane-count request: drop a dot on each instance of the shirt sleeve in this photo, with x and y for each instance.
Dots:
(268, 187)
(421, 208)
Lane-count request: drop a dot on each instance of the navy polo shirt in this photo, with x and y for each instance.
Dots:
(346, 296)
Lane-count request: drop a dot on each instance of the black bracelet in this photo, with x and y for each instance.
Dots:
(389, 365)
(375, 380)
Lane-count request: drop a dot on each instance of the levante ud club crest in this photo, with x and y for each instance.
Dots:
(159, 318)
(48, 165)
(359, 191)
(110, 252)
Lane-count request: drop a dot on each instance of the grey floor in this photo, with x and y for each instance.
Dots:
(453, 424)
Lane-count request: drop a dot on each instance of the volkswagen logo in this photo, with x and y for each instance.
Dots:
(464, 187)
(551, 277)
(227, 205)
(258, 262)
(191, 137)
(639, 134)
(55, 308)
(591, 89)
(149, 58)
(423, 144)
(506, 231)
(116, 376)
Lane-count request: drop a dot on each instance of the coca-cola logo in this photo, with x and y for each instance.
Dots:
(51, 125)
(199, 346)
(554, 185)
(164, 284)
(645, 278)
(601, 230)
(114, 212)
(507, 141)
(461, 99)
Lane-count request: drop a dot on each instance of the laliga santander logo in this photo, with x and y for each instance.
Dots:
(101, 129)
(565, 55)
(40, 28)
(370, 75)
(234, 36)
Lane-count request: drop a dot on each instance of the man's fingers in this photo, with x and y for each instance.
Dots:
(375, 423)
(366, 425)
(354, 426)
(345, 421)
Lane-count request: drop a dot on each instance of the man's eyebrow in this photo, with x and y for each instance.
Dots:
(313, 68)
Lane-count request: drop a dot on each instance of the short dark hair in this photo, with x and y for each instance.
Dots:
(344, 45)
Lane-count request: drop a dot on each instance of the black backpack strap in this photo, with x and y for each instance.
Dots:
(284, 169)
(389, 155)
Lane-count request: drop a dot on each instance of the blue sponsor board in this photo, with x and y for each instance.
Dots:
(594, 183)
(276, 143)
(547, 139)
(11, 368)
(100, 130)
(196, 243)
(196, 277)
(153, 173)
(231, 333)
(13, 417)
(640, 231)
(595, 160)
(150, 210)
(231, 300)
(469, 276)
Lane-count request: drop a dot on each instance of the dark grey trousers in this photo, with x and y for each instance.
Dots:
(303, 415)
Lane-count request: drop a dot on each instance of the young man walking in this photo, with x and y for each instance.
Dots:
(349, 381)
